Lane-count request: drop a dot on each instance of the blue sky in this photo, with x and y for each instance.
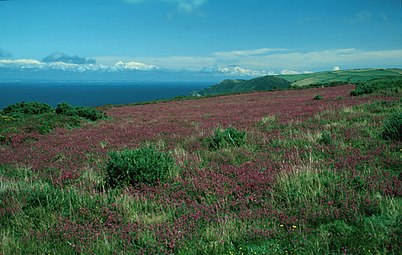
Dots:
(228, 37)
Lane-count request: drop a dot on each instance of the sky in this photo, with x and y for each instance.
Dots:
(186, 38)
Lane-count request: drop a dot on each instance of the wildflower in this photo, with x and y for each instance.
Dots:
(294, 226)
(281, 225)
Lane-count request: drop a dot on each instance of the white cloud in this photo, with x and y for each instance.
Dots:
(133, 65)
(336, 68)
(234, 70)
(62, 66)
(323, 60)
(360, 17)
(181, 62)
(287, 71)
(187, 6)
(21, 63)
(244, 53)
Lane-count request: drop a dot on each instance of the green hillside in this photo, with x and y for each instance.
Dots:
(238, 86)
(299, 80)
(347, 76)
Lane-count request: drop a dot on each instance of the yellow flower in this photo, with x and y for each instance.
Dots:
(281, 225)
(294, 227)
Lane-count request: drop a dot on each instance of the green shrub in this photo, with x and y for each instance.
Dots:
(222, 138)
(317, 97)
(393, 127)
(325, 138)
(3, 139)
(143, 165)
(89, 113)
(353, 93)
(64, 108)
(31, 108)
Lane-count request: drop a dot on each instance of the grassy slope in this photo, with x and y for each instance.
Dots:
(347, 76)
(324, 184)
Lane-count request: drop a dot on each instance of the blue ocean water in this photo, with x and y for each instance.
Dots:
(93, 93)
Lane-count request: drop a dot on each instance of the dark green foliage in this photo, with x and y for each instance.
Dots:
(317, 97)
(42, 123)
(42, 118)
(80, 111)
(393, 127)
(32, 108)
(223, 138)
(143, 165)
(388, 86)
(3, 139)
(64, 108)
(325, 138)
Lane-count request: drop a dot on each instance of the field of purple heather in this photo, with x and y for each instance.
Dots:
(295, 176)
(70, 150)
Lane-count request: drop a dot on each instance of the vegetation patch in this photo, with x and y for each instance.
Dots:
(393, 127)
(224, 138)
(144, 165)
(385, 86)
(30, 108)
(317, 97)
(88, 113)
(42, 118)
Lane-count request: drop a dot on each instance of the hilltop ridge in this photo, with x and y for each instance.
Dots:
(237, 86)
(273, 82)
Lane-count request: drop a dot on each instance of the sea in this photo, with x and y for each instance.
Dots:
(94, 93)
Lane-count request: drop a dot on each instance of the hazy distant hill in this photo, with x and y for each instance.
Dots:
(271, 82)
(256, 84)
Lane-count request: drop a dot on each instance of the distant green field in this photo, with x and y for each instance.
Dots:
(348, 76)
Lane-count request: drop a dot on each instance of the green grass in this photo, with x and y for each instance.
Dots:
(342, 76)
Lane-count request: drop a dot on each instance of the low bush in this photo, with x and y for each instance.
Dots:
(325, 138)
(80, 111)
(42, 118)
(222, 138)
(64, 108)
(393, 127)
(143, 165)
(32, 108)
(317, 97)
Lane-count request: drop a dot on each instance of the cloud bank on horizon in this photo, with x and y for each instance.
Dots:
(239, 63)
